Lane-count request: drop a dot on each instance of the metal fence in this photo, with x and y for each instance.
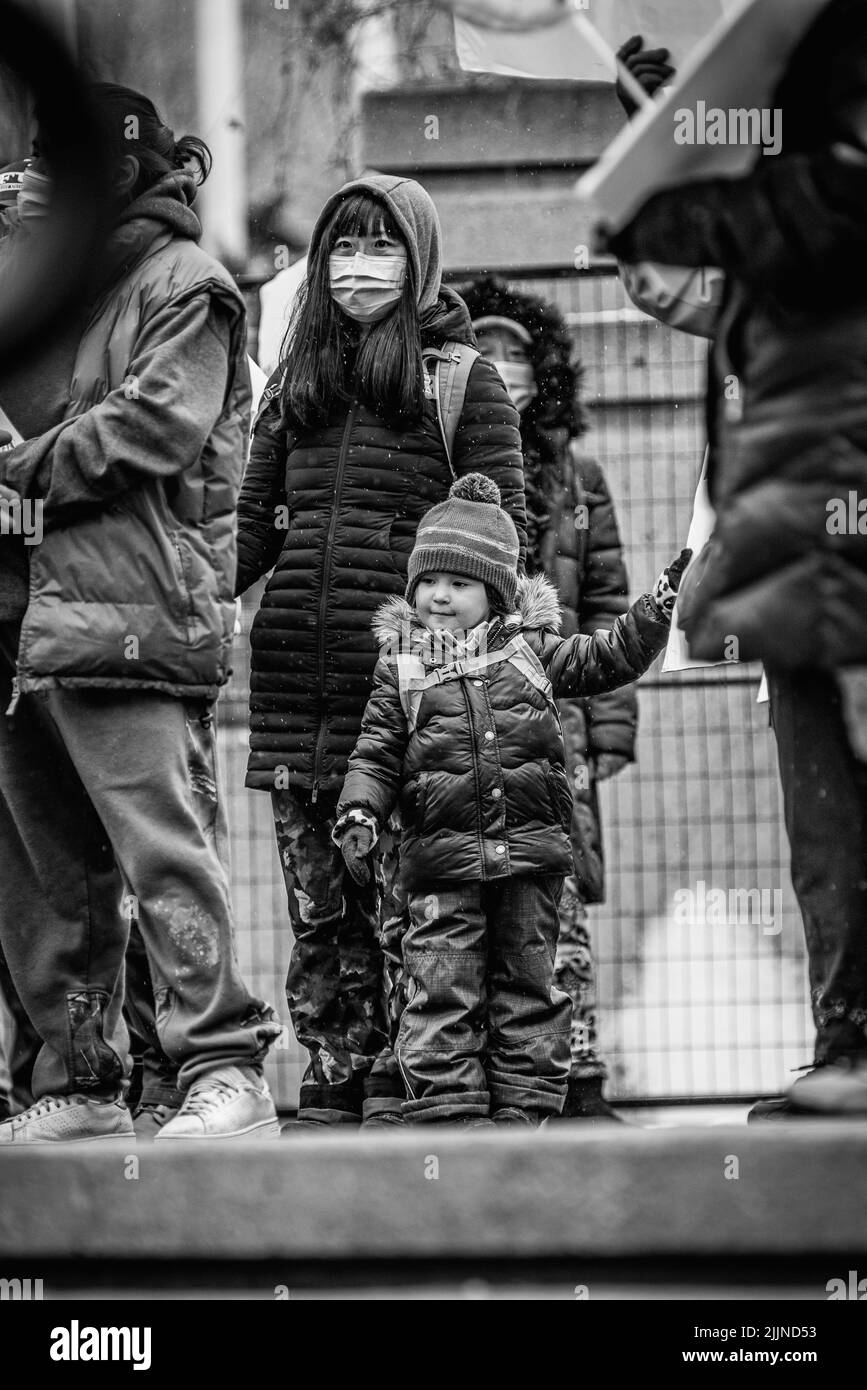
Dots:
(702, 977)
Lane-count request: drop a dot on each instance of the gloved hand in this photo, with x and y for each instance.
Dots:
(608, 765)
(664, 591)
(355, 846)
(649, 66)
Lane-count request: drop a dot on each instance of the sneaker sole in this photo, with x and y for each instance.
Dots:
(829, 1107)
(265, 1129)
(129, 1136)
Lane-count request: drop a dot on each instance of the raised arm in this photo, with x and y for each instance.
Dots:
(611, 657)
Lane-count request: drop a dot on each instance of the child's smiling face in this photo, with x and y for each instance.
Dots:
(451, 602)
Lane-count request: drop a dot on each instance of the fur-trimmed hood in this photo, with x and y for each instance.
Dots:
(557, 406)
(538, 607)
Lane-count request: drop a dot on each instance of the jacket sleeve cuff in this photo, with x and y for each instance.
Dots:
(355, 816)
(649, 608)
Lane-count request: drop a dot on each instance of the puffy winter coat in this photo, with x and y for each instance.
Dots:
(354, 493)
(132, 584)
(480, 780)
(787, 404)
(582, 555)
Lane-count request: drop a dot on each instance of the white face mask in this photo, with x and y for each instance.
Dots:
(34, 196)
(520, 382)
(366, 287)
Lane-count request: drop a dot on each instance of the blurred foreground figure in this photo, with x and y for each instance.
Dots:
(115, 629)
(786, 570)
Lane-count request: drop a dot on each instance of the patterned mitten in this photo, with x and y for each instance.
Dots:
(664, 591)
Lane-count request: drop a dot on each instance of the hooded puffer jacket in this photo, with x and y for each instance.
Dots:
(480, 781)
(352, 494)
(131, 587)
(786, 569)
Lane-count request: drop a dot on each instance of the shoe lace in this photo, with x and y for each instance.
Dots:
(45, 1106)
(209, 1094)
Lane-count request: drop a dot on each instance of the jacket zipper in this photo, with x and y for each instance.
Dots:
(326, 574)
(469, 709)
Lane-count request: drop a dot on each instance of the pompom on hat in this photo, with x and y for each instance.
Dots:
(471, 535)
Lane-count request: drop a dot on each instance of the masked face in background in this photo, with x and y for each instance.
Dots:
(34, 195)
(505, 345)
(10, 185)
(367, 275)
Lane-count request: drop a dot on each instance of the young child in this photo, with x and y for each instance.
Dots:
(573, 538)
(461, 731)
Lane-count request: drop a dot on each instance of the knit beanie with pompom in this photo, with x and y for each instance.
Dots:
(468, 534)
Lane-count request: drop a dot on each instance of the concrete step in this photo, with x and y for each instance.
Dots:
(613, 1193)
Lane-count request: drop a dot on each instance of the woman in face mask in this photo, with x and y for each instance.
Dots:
(347, 456)
(572, 538)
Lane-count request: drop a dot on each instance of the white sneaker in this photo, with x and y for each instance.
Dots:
(72, 1119)
(836, 1088)
(229, 1103)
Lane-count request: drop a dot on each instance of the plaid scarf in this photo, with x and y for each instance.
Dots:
(444, 648)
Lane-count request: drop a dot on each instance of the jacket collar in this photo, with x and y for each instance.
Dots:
(537, 608)
(163, 211)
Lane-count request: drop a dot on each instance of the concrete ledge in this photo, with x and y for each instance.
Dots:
(502, 124)
(800, 1190)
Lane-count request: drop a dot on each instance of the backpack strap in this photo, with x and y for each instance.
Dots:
(414, 679)
(453, 363)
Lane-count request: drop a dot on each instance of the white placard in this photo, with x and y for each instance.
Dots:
(677, 656)
(7, 425)
(560, 51)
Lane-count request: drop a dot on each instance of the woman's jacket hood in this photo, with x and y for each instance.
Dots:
(413, 210)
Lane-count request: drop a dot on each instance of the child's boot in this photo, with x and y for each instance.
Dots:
(384, 1094)
(585, 1101)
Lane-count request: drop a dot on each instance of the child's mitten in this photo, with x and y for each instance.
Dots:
(355, 846)
(355, 834)
(664, 591)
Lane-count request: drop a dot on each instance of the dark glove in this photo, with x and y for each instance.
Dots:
(649, 66)
(665, 589)
(355, 846)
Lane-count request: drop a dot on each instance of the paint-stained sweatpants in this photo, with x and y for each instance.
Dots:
(338, 980)
(105, 794)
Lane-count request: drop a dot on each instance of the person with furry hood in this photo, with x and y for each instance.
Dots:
(573, 539)
(461, 732)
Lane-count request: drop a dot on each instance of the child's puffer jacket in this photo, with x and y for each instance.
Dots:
(480, 782)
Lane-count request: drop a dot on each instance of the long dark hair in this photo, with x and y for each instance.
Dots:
(326, 358)
(133, 126)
